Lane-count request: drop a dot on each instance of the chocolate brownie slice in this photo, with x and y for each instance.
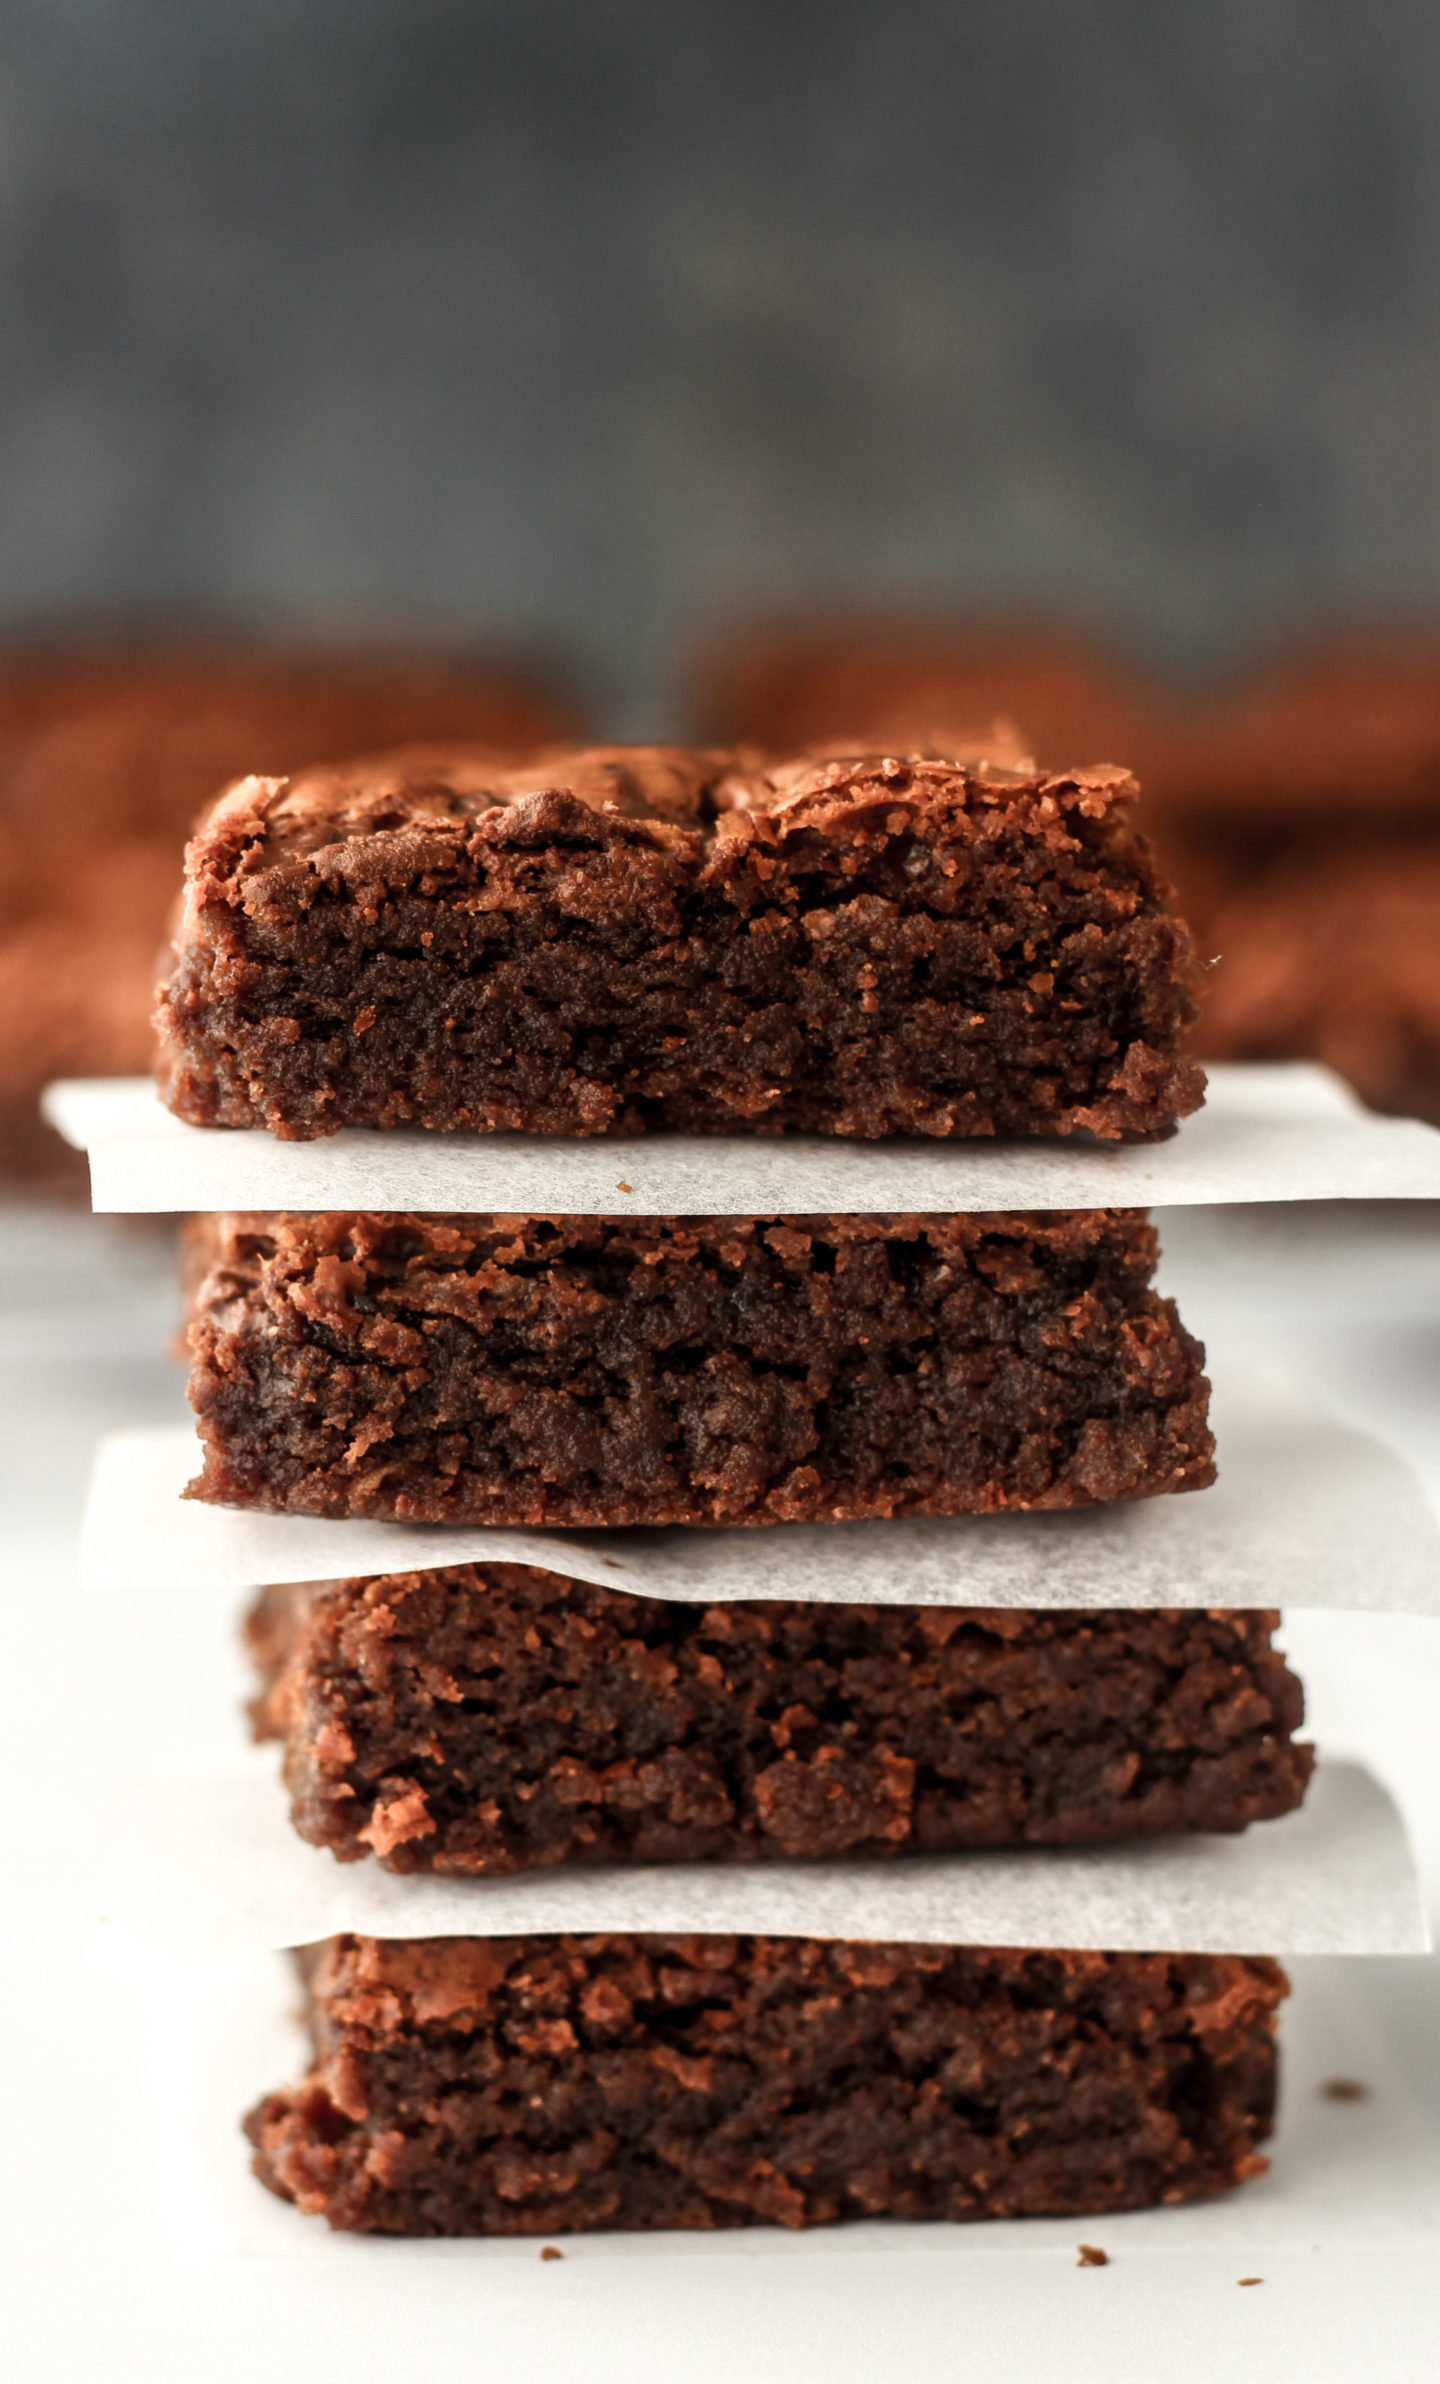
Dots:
(583, 1370)
(624, 938)
(546, 2085)
(494, 1718)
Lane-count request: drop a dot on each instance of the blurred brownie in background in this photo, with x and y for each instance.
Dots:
(877, 686)
(1296, 809)
(1300, 814)
(106, 756)
(1336, 957)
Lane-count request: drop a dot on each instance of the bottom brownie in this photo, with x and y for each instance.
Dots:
(545, 2085)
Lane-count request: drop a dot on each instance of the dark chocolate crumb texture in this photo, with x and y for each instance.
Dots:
(545, 2085)
(734, 1370)
(495, 1718)
(623, 938)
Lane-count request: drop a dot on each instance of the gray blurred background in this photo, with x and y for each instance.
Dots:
(601, 324)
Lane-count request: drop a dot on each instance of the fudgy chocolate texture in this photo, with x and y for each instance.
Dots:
(495, 1718)
(544, 2085)
(693, 1370)
(624, 938)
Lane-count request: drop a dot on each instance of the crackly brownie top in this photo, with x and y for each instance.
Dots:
(713, 791)
(381, 1989)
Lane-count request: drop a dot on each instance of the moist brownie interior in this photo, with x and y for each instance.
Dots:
(620, 939)
(495, 1718)
(731, 1370)
(544, 2085)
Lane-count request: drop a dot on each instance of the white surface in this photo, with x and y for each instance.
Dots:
(205, 1858)
(191, 2271)
(1305, 1511)
(121, 2264)
(1265, 1133)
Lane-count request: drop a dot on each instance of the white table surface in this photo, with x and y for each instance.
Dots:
(136, 2248)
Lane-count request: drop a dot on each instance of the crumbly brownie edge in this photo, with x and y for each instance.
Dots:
(490, 1719)
(552, 2085)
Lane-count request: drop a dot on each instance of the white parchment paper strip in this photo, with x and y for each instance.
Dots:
(1306, 1512)
(207, 1859)
(1265, 1133)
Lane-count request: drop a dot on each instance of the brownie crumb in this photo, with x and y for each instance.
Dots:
(1250, 2280)
(551, 2251)
(1345, 2090)
(1091, 2256)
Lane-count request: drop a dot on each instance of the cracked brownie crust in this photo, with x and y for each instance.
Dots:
(495, 1718)
(688, 1370)
(626, 938)
(546, 2085)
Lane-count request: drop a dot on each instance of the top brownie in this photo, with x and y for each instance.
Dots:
(623, 938)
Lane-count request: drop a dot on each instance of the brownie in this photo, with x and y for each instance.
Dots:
(584, 1370)
(1308, 838)
(1336, 957)
(897, 684)
(493, 1718)
(107, 754)
(548, 2085)
(627, 938)
(1340, 731)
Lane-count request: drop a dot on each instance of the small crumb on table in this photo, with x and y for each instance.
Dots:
(551, 2251)
(1345, 2090)
(1250, 2280)
(1091, 2256)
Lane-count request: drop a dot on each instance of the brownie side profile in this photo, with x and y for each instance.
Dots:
(688, 1370)
(547, 2085)
(494, 1718)
(626, 938)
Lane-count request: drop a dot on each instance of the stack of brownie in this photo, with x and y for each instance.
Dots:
(635, 941)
